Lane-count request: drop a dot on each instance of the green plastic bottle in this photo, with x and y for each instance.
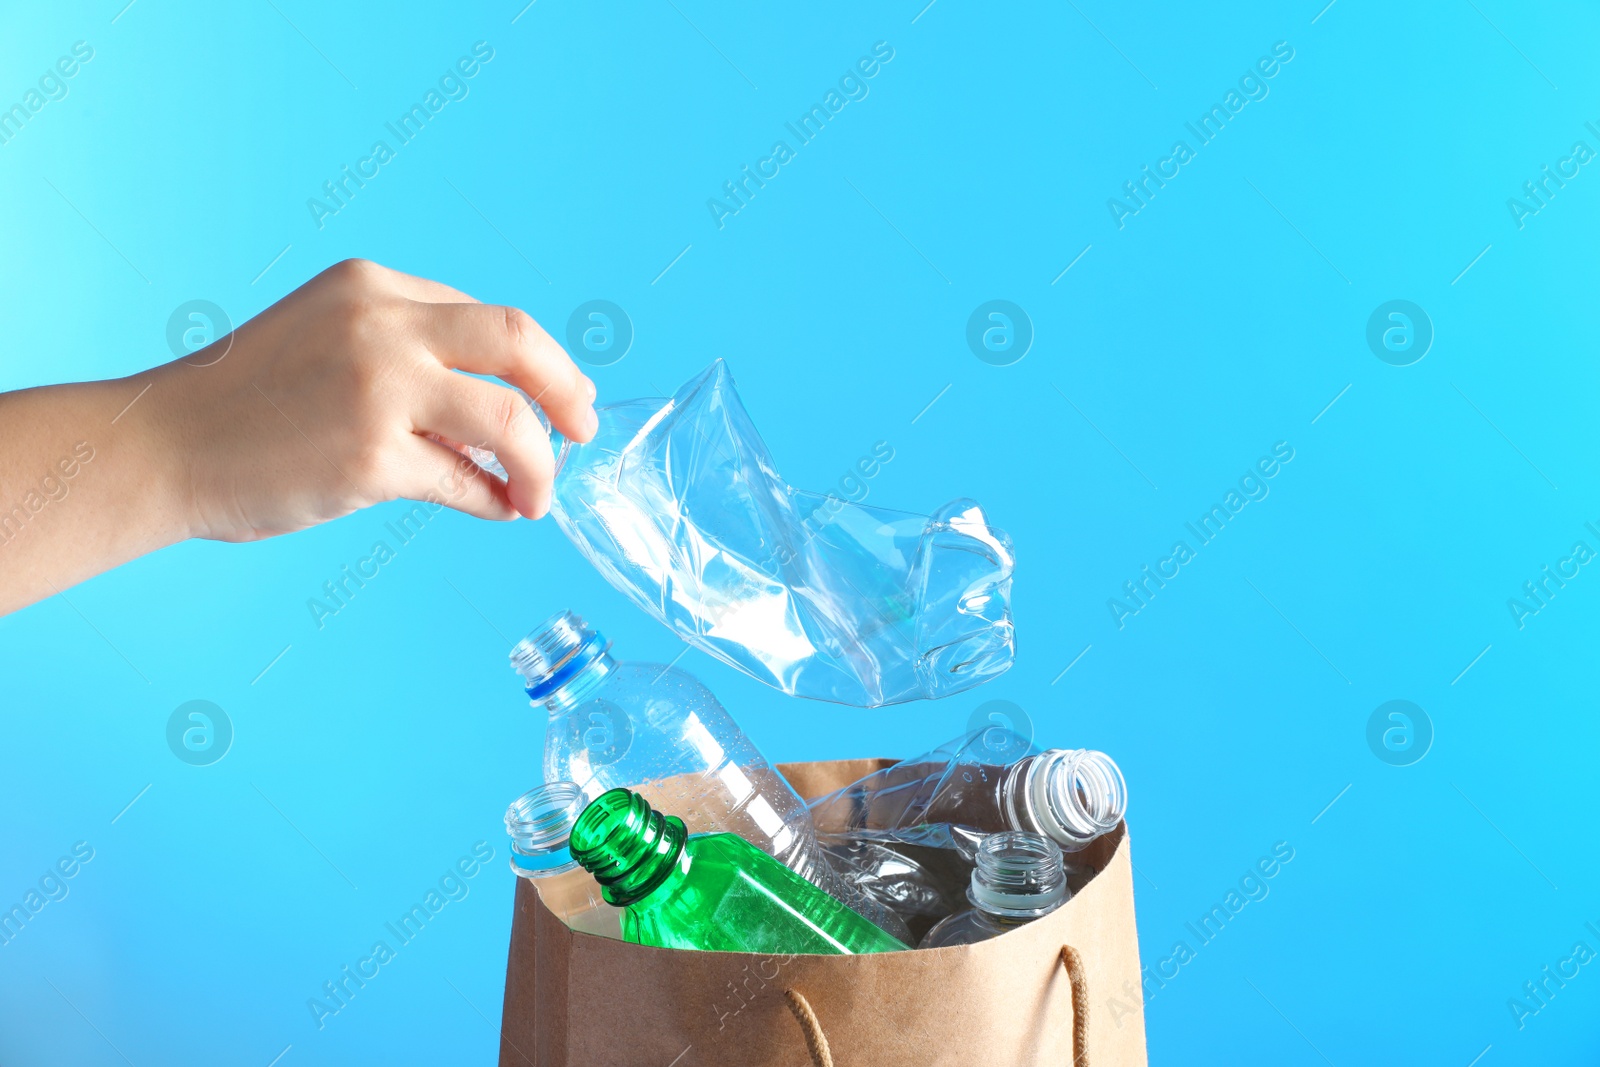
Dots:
(708, 891)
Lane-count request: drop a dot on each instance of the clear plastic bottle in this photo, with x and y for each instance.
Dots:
(989, 780)
(540, 823)
(657, 730)
(1018, 878)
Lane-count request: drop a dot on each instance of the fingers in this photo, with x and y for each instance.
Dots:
(434, 473)
(475, 412)
(506, 342)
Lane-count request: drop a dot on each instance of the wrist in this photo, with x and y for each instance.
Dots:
(148, 442)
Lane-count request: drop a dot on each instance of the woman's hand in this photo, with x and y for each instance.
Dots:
(320, 406)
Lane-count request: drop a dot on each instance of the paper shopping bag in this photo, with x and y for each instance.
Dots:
(1064, 989)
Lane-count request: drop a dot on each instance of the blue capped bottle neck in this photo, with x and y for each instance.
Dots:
(575, 665)
(562, 649)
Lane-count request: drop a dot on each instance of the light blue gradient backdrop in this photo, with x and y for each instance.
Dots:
(1223, 318)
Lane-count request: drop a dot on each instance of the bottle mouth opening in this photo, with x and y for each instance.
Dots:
(544, 817)
(540, 822)
(612, 814)
(1077, 795)
(627, 845)
(1019, 875)
(555, 652)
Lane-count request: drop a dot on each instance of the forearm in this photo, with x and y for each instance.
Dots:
(86, 483)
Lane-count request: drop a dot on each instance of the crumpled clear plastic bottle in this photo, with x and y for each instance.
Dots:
(889, 875)
(986, 781)
(679, 505)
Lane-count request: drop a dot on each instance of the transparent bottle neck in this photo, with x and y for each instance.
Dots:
(1072, 796)
(562, 662)
(1018, 876)
(540, 823)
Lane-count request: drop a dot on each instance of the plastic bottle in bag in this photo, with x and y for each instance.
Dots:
(919, 885)
(655, 728)
(987, 781)
(540, 823)
(893, 878)
(1018, 877)
(678, 504)
(708, 891)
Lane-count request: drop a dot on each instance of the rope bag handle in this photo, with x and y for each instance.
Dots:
(822, 1056)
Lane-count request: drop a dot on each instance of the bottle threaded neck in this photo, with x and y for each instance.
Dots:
(556, 652)
(540, 823)
(1019, 875)
(627, 845)
(1071, 795)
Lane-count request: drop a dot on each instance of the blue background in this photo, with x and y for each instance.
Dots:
(1222, 318)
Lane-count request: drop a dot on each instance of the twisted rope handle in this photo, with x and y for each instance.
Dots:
(1080, 1005)
(822, 1056)
(816, 1040)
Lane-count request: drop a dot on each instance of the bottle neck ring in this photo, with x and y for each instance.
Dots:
(548, 684)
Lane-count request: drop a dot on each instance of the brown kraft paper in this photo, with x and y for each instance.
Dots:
(1006, 1002)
